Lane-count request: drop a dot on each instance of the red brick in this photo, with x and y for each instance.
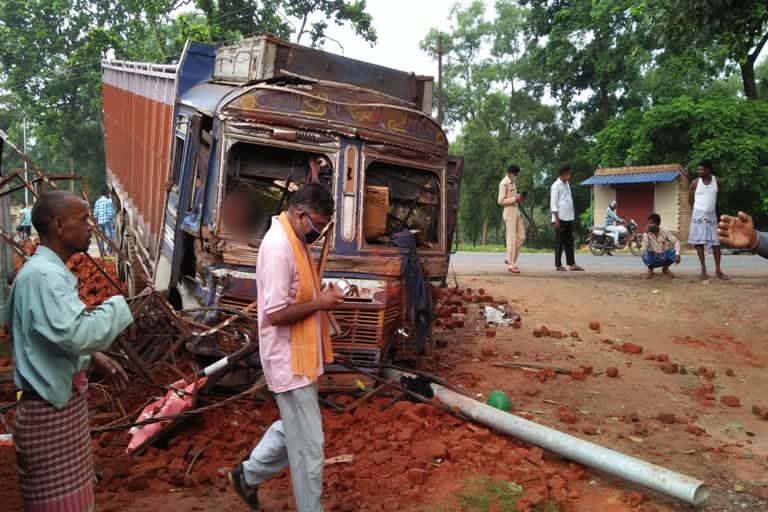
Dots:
(490, 332)
(537, 333)
(566, 415)
(650, 357)
(669, 367)
(428, 449)
(574, 334)
(556, 334)
(481, 291)
(454, 300)
(590, 430)
(544, 330)
(491, 450)
(587, 369)
(578, 374)
(730, 400)
(760, 411)
(667, 418)
(695, 429)
(464, 310)
(635, 499)
(594, 325)
(612, 372)
(517, 324)
(631, 348)
(662, 357)
(705, 402)
(417, 476)
(535, 454)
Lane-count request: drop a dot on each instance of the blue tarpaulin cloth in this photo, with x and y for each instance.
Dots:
(643, 177)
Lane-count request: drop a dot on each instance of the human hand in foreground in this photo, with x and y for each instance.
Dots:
(738, 231)
(677, 259)
(110, 370)
(330, 297)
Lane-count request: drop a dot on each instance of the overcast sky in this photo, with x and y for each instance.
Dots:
(400, 26)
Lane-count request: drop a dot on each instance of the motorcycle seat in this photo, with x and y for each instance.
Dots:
(598, 231)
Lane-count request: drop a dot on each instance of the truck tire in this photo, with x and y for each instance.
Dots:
(130, 271)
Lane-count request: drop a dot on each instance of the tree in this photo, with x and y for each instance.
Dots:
(340, 11)
(739, 27)
(585, 49)
(499, 116)
(731, 131)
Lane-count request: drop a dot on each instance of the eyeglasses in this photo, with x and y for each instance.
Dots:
(318, 227)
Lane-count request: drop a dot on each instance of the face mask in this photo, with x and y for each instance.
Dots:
(313, 234)
(652, 227)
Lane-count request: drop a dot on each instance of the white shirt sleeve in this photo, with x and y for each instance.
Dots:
(554, 198)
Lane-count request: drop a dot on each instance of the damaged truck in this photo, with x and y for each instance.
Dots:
(201, 154)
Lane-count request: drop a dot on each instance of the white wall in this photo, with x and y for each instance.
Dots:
(603, 195)
(666, 204)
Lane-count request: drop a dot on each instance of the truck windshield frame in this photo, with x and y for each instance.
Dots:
(232, 141)
(369, 158)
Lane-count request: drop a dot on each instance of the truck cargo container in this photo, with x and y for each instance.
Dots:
(201, 154)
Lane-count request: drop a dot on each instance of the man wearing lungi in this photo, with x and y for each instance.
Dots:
(56, 340)
(294, 343)
(660, 248)
(702, 197)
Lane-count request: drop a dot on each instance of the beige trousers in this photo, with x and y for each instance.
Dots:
(515, 233)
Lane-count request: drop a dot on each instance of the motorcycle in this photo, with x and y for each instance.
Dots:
(601, 242)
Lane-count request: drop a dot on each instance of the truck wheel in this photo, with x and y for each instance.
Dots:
(129, 272)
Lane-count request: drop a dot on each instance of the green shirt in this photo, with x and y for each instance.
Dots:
(53, 332)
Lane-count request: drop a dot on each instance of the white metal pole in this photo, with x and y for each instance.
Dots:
(26, 178)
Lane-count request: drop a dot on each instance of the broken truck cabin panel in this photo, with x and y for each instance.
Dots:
(202, 154)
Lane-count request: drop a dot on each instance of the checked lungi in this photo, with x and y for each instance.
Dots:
(53, 454)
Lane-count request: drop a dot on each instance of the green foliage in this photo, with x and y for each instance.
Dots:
(51, 52)
(340, 11)
(731, 131)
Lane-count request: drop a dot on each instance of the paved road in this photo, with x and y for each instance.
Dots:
(483, 262)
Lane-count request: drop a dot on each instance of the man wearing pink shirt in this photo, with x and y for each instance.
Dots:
(297, 438)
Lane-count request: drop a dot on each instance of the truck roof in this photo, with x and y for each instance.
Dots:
(266, 57)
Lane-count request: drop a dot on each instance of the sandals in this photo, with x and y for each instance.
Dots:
(514, 270)
(560, 269)
(576, 268)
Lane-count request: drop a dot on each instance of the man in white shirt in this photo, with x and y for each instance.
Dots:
(563, 215)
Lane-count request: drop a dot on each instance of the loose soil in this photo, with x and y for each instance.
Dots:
(412, 457)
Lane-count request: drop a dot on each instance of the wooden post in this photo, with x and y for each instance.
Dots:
(485, 232)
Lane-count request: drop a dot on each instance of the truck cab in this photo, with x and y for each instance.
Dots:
(252, 122)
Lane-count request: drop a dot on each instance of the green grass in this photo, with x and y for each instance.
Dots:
(464, 247)
(481, 491)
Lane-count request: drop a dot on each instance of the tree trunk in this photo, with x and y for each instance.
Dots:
(748, 79)
(485, 232)
(748, 69)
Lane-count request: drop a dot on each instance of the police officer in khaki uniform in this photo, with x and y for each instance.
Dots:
(509, 199)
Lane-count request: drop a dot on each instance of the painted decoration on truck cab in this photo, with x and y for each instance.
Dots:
(361, 109)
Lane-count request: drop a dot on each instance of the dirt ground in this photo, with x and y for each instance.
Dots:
(414, 458)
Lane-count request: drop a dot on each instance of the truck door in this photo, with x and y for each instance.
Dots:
(453, 178)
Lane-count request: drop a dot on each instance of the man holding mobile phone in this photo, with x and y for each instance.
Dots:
(509, 199)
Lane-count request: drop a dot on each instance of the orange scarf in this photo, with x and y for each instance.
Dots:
(304, 356)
